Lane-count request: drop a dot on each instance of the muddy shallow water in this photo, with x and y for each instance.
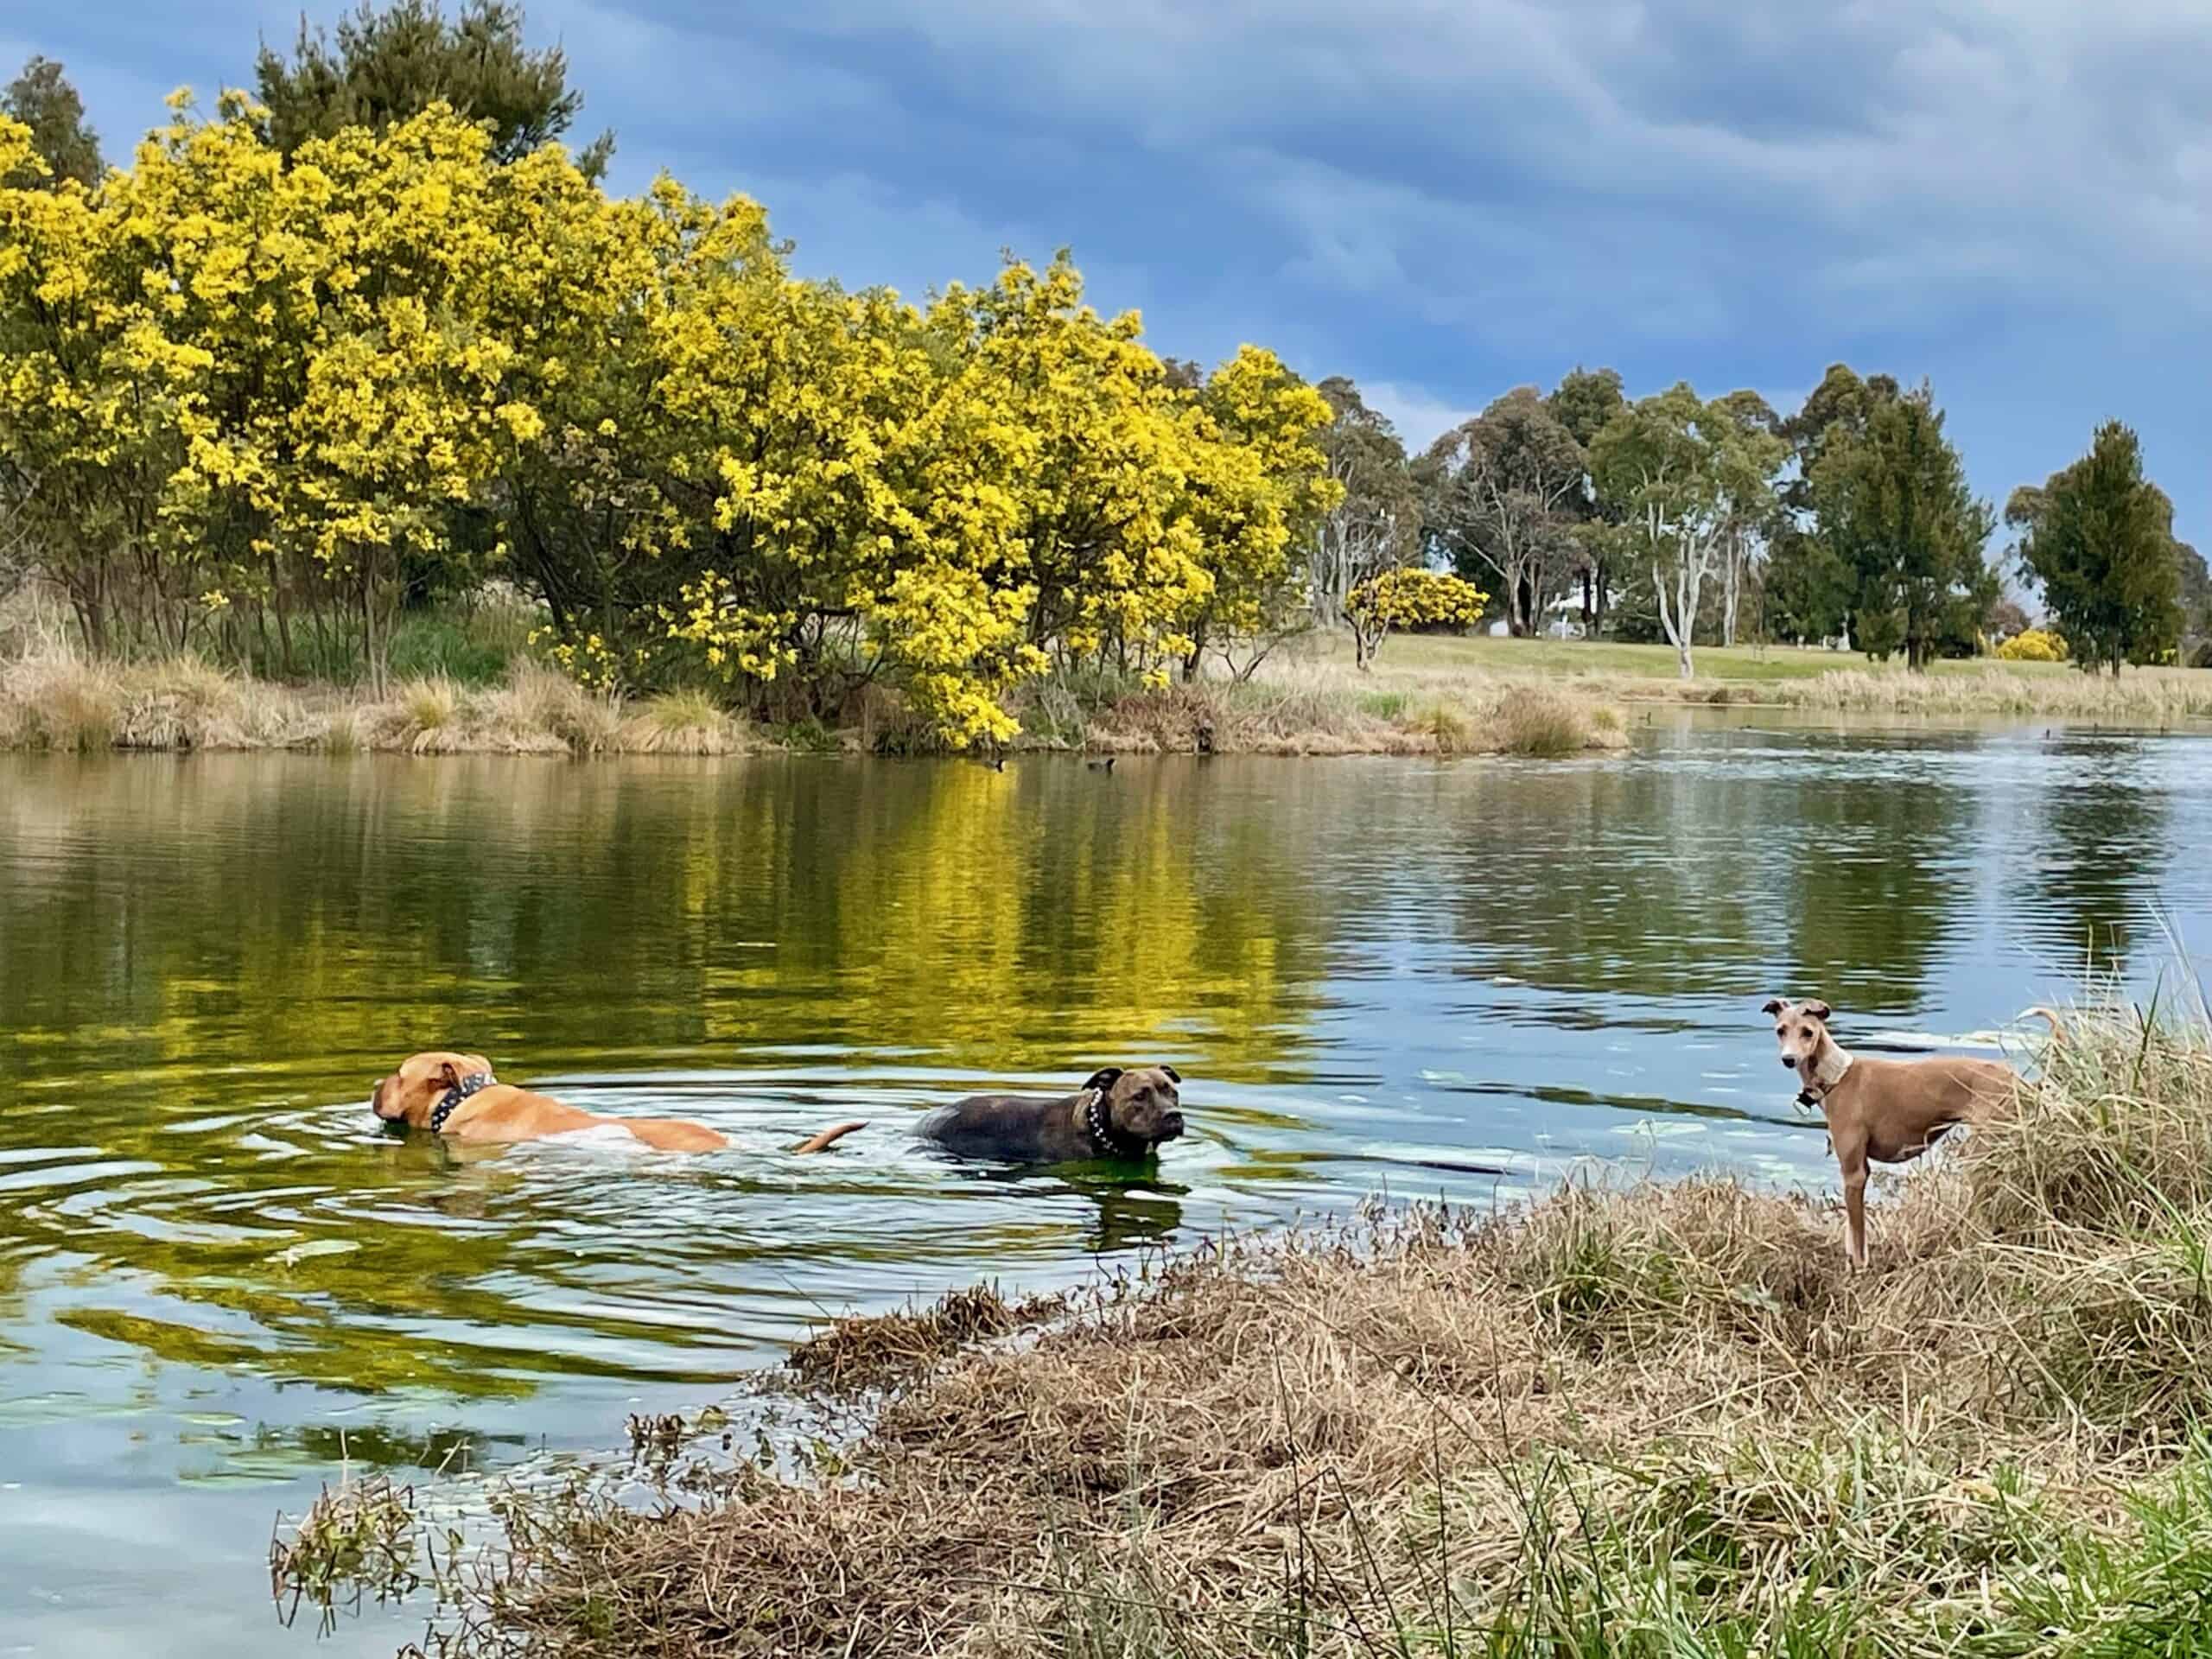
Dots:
(217, 1275)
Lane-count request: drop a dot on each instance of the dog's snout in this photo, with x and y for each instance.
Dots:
(1790, 1061)
(1171, 1125)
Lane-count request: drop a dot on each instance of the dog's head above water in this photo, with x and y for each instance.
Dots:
(410, 1095)
(1803, 1029)
(1142, 1104)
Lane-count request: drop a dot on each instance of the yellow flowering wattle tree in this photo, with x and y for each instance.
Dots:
(90, 400)
(1409, 598)
(1259, 485)
(249, 395)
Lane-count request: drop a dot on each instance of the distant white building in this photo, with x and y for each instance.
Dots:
(1562, 619)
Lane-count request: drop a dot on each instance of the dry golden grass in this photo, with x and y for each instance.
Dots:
(542, 711)
(1436, 696)
(682, 722)
(59, 700)
(1640, 1420)
(1543, 723)
(1777, 676)
(56, 698)
(2137, 697)
(1324, 713)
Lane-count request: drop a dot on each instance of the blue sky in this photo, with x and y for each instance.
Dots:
(2010, 197)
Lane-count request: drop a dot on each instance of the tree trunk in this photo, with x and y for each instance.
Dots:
(1676, 625)
(1197, 654)
(1728, 599)
(283, 622)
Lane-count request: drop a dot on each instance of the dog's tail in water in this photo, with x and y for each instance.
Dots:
(828, 1137)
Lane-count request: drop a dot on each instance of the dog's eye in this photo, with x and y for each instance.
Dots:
(1806, 1032)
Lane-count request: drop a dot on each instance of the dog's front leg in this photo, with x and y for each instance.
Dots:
(1852, 1157)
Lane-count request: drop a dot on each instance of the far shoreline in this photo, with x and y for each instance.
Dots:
(1433, 694)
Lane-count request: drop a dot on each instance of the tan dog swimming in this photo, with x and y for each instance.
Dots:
(455, 1095)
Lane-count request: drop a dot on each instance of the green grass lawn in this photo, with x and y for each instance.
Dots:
(1486, 654)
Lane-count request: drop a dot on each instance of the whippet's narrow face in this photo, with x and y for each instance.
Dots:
(1801, 1028)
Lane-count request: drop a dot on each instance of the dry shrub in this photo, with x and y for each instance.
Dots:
(1254, 718)
(423, 716)
(1671, 1409)
(540, 711)
(59, 700)
(682, 722)
(183, 703)
(1542, 722)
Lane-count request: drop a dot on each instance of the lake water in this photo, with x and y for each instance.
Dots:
(1418, 976)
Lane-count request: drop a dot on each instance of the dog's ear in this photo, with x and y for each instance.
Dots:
(1817, 1008)
(1775, 1005)
(1105, 1079)
(448, 1076)
(1173, 1076)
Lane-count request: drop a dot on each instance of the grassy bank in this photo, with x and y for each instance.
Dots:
(1787, 677)
(55, 698)
(483, 693)
(64, 702)
(1635, 1420)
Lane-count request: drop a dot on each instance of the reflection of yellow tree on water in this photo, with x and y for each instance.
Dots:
(199, 957)
(982, 918)
(1031, 919)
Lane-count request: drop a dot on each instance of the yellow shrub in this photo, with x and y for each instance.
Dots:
(2034, 646)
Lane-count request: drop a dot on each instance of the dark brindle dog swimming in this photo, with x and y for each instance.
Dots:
(1124, 1114)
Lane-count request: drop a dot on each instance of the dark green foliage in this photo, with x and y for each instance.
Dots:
(2099, 537)
(1808, 588)
(44, 100)
(1895, 509)
(384, 65)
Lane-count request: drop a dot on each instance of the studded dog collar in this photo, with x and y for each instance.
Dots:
(449, 1102)
(1098, 1124)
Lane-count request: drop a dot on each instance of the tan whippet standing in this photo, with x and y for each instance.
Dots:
(1885, 1110)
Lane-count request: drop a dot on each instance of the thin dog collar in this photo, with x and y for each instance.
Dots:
(451, 1100)
(1100, 1127)
(1824, 1079)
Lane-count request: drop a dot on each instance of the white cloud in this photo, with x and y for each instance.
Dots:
(1419, 415)
(1951, 149)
